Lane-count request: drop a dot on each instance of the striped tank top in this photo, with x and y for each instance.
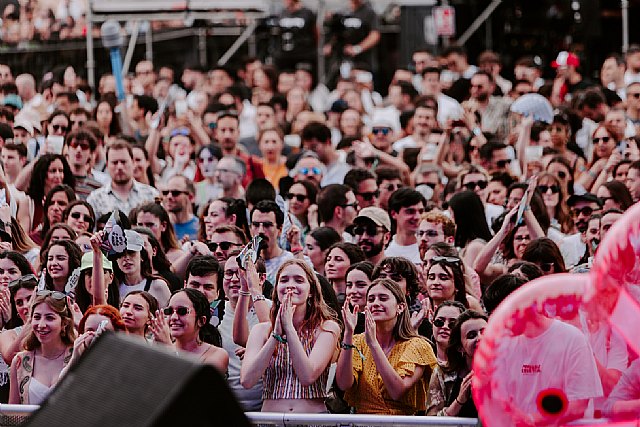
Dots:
(280, 380)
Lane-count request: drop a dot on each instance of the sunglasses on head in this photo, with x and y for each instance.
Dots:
(383, 131)
(473, 184)
(225, 246)
(58, 296)
(180, 311)
(370, 229)
(314, 170)
(174, 193)
(78, 215)
(545, 188)
(180, 131)
(446, 259)
(438, 322)
(369, 195)
(23, 280)
(299, 197)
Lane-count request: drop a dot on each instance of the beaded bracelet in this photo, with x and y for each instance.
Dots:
(279, 338)
(346, 346)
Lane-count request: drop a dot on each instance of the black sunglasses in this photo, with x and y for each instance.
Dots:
(369, 195)
(384, 131)
(23, 280)
(78, 215)
(439, 322)
(544, 188)
(370, 229)
(473, 184)
(586, 211)
(503, 163)
(181, 311)
(225, 246)
(299, 197)
(174, 193)
(56, 128)
(604, 139)
(354, 205)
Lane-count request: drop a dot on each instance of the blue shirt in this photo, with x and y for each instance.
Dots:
(189, 228)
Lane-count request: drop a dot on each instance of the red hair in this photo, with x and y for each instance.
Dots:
(104, 310)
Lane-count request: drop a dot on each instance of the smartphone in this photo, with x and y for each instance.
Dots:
(181, 108)
(55, 143)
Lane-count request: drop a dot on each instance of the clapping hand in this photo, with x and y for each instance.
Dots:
(160, 328)
(350, 318)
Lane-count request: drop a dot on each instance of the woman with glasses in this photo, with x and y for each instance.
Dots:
(154, 217)
(47, 172)
(561, 168)
(79, 215)
(47, 349)
(555, 202)
(445, 281)
(271, 143)
(301, 196)
(292, 353)
(186, 321)
(450, 386)
(317, 244)
(339, 257)
(444, 319)
(441, 249)
(62, 257)
(386, 369)
(605, 157)
(614, 195)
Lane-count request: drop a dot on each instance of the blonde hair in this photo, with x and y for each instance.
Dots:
(59, 306)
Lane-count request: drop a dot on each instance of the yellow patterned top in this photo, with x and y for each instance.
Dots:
(368, 393)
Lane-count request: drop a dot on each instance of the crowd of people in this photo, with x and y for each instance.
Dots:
(385, 229)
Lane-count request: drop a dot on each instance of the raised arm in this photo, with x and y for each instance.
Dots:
(344, 370)
(97, 279)
(257, 356)
(482, 262)
(250, 289)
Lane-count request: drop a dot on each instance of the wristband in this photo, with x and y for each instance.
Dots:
(258, 297)
(279, 338)
(245, 293)
(345, 346)
(357, 49)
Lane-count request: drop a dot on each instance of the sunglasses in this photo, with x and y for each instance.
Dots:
(212, 125)
(174, 193)
(299, 197)
(77, 122)
(84, 145)
(586, 211)
(473, 184)
(57, 128)
(58, 296)
(446, 259)
(23, 280)
(180, 311)
(307, 171)
(545, 188)
(370, 229)
(546, 266)
(225, 246)
(369, 195)
(521, 238)
(354, 205)
(604, 139)
(439, 322)
(78, 215)
(503, 163)
(180, 131)
(228, 274)
(392, 187)
(383, 131)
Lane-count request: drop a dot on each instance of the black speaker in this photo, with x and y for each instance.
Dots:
(123, 381)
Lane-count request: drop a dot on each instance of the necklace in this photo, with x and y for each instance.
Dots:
(53, 358)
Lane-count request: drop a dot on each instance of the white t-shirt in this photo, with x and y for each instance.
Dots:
(406, 142)
(448, 109)
(572, 249)
(492, 211)
(558, 358)
(411, 252)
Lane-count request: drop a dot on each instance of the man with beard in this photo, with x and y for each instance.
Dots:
(573, 247)
(266, 222)
(493, 110)
(228, 134)
(123, 192)
(406, 206)
(229, 175)
(178, 197)
(224, 240)
(372, 232)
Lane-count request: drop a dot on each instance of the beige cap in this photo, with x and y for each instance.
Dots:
(377, 215)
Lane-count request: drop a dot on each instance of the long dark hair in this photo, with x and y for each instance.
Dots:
(71, 197)
(47, 239)
(470, 219)
(152, 302)
(111, 101)
(403, 267)
(19, 260)
(455, 357)
(75, 258)
(39, 176)
(168, 236)
(159, 261)
(619, 193)
(325, 237)
(15, 320)
(455, 269)
(207, 332)
(145, 268)
(544, 250)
